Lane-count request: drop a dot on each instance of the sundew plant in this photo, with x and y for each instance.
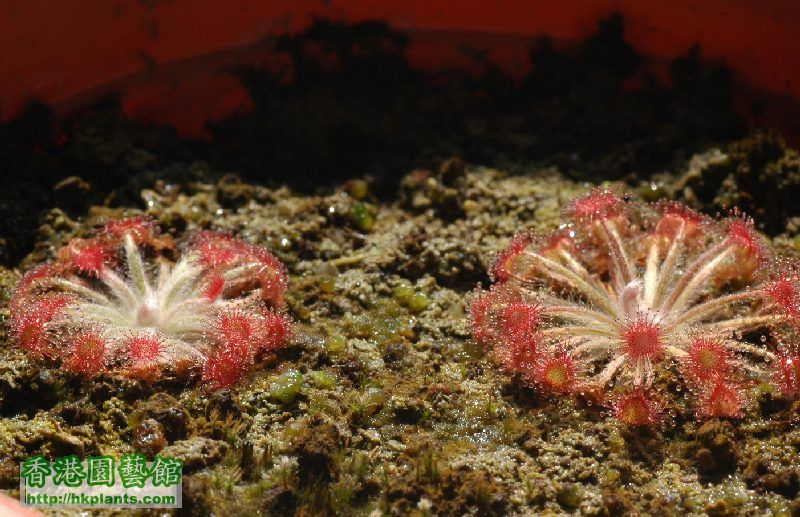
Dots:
(115, 303)
(626, 294)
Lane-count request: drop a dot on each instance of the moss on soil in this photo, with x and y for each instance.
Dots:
(380, 405)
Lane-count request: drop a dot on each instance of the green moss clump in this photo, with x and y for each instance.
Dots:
(358, 189)
(335, 343)
(323, 379)
(407, 296)
(570, 496)
(372, 400)
(362, 217)
(652, 191)
(327, 285)
(386, 321)
(403, 293)
(286, 386)
(418, 302)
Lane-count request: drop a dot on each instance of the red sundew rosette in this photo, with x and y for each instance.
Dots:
(599, 211)
(596, 206)
(144, 352)
(642, 341)
(676, 221)
(782, 291)
(28, 286)
(786, 373)
(668, 224)
(87, 256)
(223, 369)
(34, 309)
(602, 226)
(141, 228)
(750, 252)
(505, 263)
(480, 316)
(507, 323)
(273, 278)
(644, 305)
(221, 253)
(31, 323)
(556, 372)
(518, 339)
(40, 303)
(637, 407)
(217, 250)
(278, 329)
(512, 265)
(88, 352)
(722, 398)
(707, 359)
(240, 336)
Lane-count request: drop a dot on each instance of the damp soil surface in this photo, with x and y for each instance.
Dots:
(387, 210)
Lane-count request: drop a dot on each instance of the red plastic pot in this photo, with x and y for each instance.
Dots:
(170, 59)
